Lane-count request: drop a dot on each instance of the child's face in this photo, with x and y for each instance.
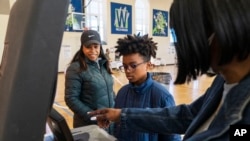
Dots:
(135, 68)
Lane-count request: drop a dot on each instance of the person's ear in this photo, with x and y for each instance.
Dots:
(148, 65)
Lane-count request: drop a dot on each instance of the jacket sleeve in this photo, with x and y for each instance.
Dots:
(175, 119)
(167, 100)
(73, 84)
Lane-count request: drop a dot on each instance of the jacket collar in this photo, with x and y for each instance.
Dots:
(231, 110)
(100, 61)
(143, 87)
(211, 101)
(236, 101)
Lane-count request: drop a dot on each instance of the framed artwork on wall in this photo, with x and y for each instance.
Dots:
(121, 18)
(160, 23)
(75, 17)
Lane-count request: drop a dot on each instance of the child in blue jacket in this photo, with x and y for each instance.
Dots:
(142, 91)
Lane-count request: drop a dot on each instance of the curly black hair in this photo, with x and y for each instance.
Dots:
(143, 45)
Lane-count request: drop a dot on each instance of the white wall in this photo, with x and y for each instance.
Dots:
(70, 45)
(71, 40)
(4, 17)
(3, 26)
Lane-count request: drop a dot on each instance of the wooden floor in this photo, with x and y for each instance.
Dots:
(185, 93)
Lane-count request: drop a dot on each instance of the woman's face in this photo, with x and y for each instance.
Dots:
(92, 51)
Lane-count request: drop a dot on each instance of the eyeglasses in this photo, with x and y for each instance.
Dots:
(130, 67)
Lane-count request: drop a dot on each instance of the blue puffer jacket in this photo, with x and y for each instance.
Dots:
(88, 90)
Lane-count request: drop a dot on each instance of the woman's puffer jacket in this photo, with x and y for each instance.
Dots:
(88, 90)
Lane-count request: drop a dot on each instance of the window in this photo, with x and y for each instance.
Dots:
(95, 13)
(141, 17)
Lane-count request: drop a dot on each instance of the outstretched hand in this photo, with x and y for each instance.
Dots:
(105, 116)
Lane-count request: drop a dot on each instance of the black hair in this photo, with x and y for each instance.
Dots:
(143, 45)
(81, 58)
(195, 20)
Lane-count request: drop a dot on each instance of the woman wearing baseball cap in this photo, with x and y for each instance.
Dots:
(88, 80)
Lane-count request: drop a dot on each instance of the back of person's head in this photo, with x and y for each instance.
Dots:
(130, 44)
(195, 21)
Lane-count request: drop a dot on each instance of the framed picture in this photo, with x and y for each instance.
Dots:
(160, 23)
(121, 18)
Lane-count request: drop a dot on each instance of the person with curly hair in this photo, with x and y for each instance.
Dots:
(142, 91)
(210, 35)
